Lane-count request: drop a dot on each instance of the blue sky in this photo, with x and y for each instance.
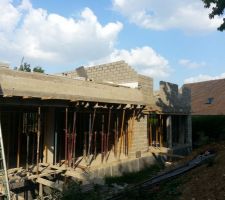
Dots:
(168, 40)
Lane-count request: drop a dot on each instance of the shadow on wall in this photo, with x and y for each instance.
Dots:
(171, 100)
(1, 91)
(82, 72)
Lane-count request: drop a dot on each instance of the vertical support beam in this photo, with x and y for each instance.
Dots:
(121, 132)
(157, 131)
(189, 130)
(132, 129)
(74, 137)
(108, 131)
(95, 143)
(102, 137)
(38, 137)
(161, 131)
(18, 144)
(181, 129)
(90, 136)
(116, 135)
(56, 143)
(169, 132)
(27, 154)
(150, 130)
(66, 133)
(40, 191)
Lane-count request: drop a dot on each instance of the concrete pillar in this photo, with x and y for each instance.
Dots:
(140, 139)
(181, 129)
(49, 136)
(169, 132)
(189, 130)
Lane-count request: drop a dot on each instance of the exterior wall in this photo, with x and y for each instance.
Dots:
(140, 142)
(14, 83)
(146, 86)
(170, 100)
(125, 166)
(117, 72)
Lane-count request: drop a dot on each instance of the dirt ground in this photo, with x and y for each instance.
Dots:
(206, 182)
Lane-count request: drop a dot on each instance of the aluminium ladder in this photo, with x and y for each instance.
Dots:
(4, 183)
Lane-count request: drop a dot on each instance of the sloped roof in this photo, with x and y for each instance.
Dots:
(208, 97)
(25, 84)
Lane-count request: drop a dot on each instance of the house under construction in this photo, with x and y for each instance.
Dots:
(105, 119)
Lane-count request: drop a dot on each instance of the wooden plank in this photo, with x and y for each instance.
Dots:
(57, 167)
(44, 174)
(50, 184)
(172, 155)
(79, 176)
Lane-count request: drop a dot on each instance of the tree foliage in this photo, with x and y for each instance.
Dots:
(218, 7)
(38, 69)
(27, 68)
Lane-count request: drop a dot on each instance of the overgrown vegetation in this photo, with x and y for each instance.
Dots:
(170, 190)
(208, 129)
(134, 177)
(74, 191)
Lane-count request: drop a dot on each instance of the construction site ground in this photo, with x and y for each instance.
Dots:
(206, 182)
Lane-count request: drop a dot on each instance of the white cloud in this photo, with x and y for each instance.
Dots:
(191, 64)
(145, 60)
(50, 38)
(188, 15)
(203, 77)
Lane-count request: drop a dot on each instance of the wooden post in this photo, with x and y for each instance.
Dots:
(157, 131)
(161, 131)
(150, 132)
(85, 146)
(132, 128)
(116, 136)
(108, 132)
(66, 133)
(27, 155)
(38, 137)
(89, 137)
(18, 144)
(95, 140)
(74, 136)
(40, 191)
(102, 138)
(121, 133)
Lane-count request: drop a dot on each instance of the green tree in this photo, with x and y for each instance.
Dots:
(38, 69)
(217, 10)
(25, 67)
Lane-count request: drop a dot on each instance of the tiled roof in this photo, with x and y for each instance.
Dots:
(208, 98)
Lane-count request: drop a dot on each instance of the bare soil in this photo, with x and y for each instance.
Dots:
(206, 182)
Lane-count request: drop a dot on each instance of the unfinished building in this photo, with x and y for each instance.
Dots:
(104, 118)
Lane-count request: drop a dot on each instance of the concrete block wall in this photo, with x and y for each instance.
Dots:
(145, 84)
(126, 166)
(171, 100)
(140, 142)
(117, 72)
